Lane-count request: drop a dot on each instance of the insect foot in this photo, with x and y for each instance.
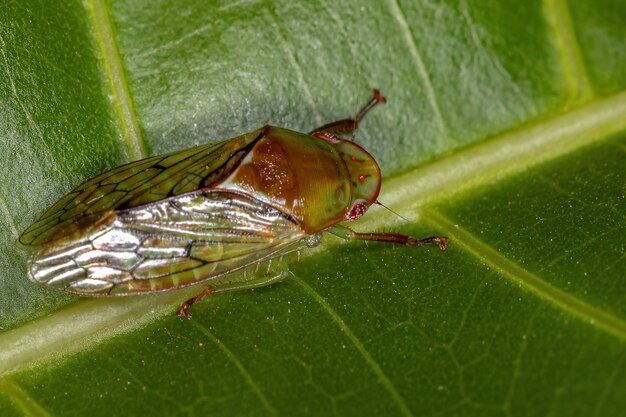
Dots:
(183, 310)
(441, 241)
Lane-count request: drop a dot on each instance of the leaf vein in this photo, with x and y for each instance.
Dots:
(21, 400)
(244, 372)
(608, 386)
(517, 368)
(409, 37)
(7, 215)
(515, 273)
(384, 380)
(116, 76)
(569, 50)
(292, 60)
(175, 42)
(140, 383)
(27, 114)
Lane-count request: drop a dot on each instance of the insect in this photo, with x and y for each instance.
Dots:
(209, 214)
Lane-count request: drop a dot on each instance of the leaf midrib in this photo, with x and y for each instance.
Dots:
(491, 161)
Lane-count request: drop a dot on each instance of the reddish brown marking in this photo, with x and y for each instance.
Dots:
(298, 175)
(357, 210)
(379, 97)
(361, 177)
(268, 172)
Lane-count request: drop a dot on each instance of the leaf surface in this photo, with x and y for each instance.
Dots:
(505, 129)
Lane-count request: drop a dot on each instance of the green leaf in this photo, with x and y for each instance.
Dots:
(505, 129)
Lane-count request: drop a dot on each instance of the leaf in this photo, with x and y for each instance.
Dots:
(504, 129)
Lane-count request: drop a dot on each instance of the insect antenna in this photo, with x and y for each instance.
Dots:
(397, 214)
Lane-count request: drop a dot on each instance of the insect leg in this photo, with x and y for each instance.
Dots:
(276, 272)
(349, 125)
(183, 310)
(349, 234)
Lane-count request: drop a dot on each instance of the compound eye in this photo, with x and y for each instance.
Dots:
(359, 207)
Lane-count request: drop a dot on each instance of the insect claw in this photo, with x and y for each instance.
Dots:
(379, 97)
(183, 311)
(442, 242)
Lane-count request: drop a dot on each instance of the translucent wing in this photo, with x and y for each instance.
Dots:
(168, 244)
(137, 183)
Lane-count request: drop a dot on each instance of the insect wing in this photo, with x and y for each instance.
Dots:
(138, 183)
(168, 244)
